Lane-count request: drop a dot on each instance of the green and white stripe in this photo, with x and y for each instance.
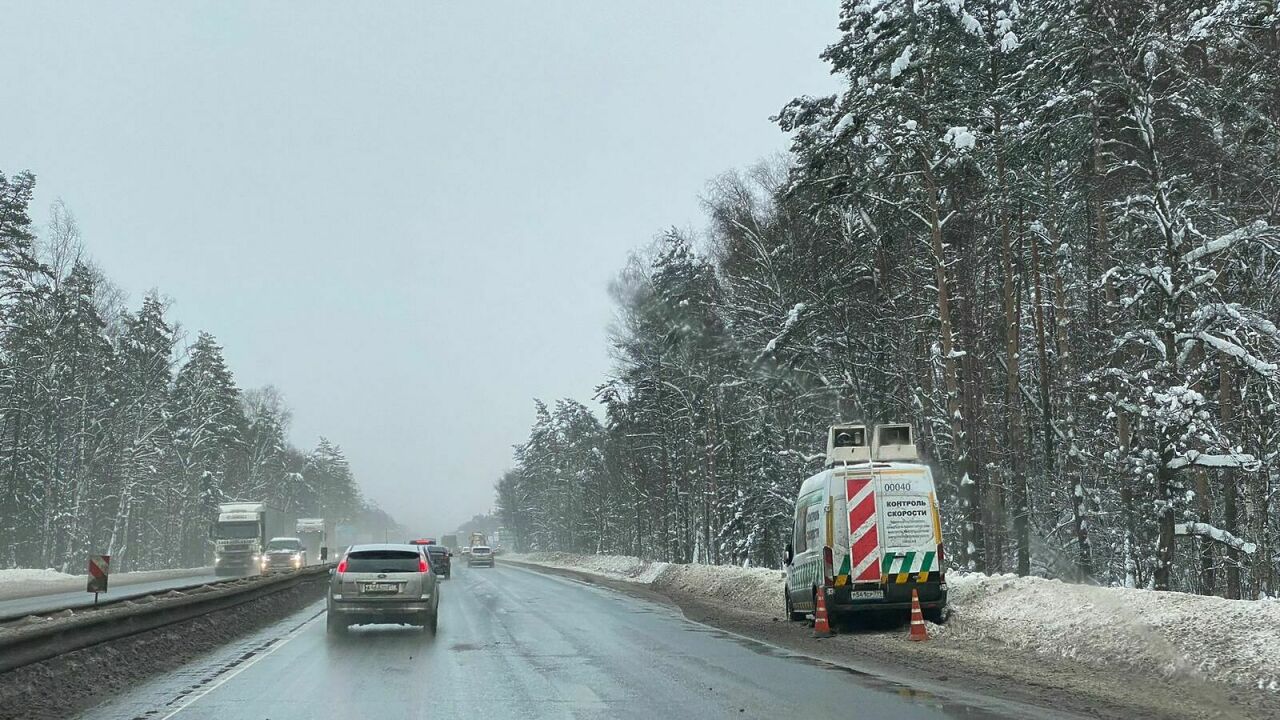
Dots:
(911, 562)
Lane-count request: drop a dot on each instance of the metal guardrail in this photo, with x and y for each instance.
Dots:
(31, 644)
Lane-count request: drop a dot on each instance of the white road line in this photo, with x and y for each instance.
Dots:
(245, 666)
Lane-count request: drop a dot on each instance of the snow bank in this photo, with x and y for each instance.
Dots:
(19, 582)
(755, 589)
(29, 575)
(1167, 634)
(23, 582)
(619, 567)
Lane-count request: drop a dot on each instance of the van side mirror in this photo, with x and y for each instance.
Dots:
(788, 553)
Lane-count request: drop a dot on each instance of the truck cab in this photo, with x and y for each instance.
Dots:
(240, 536)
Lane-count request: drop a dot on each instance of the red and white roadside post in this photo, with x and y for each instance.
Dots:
(99, 571)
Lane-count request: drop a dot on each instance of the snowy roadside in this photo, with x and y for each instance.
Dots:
(1168, 634)
(25, 582)
(1159, 634)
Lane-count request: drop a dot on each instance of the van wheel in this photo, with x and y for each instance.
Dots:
(791, 610)
(937, 616)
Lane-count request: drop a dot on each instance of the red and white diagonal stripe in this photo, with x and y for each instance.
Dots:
(864, 540)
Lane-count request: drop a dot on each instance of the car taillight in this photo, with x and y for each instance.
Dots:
(828, 565)
(941, 565)
(422, 564)
(342, 565)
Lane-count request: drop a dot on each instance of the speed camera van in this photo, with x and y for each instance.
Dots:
(867, 530)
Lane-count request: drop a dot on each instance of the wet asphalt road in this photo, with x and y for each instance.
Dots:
(80, 598)
(513, 643)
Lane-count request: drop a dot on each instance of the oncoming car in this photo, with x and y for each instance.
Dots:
(383, 583)
(284, 553)
(480, 555)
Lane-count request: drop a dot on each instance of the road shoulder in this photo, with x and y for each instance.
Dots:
(990, 670)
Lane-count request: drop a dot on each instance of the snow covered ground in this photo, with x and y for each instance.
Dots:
(30, 575)
(18, 582)
(27, 582)
(1164, 634)
(619, 567)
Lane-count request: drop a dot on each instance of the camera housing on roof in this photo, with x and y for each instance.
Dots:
(850, 443)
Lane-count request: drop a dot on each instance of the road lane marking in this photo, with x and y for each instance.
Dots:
(276, 645)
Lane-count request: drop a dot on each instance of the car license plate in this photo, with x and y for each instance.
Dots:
(379, 587)
(866, 595)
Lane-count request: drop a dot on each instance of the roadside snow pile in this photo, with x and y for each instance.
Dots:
(621, 567)
(28, 575)
(27, 583)
(20, 582)
(755, 589)
(1167, 633)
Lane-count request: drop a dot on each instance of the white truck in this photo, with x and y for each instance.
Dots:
(240, 536)
(315, 534)
(867, 530)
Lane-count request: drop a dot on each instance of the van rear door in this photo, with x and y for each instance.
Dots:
(864, 519)
(910, 529)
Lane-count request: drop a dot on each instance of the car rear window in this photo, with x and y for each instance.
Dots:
(383, 561)
(480, 550)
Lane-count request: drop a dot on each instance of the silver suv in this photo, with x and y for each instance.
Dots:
(480, 555)
(383, 584)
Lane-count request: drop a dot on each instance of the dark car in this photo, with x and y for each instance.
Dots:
(438, 556)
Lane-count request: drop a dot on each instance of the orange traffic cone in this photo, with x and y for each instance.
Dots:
(918, 630)
(821, 627)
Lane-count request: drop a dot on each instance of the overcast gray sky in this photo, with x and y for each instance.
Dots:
(405, 217)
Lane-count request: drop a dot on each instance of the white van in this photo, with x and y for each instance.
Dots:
(867, 529)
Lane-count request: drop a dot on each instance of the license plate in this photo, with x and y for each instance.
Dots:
(379, 587)
(866, 595)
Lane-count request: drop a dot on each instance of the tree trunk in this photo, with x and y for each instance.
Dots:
(1230, 489)
(970, 492)
(1015, 473)
(1164, 519)
(1072, 471)
(1208, 579)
